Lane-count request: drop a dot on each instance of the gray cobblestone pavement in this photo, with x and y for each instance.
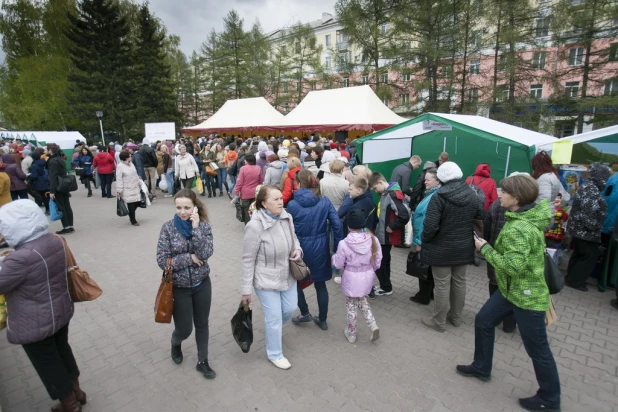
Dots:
(124, 356)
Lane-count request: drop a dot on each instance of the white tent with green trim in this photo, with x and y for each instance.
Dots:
(600, 145)
(469, 141)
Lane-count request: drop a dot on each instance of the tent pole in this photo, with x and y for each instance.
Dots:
(444, 145)
(508, 158)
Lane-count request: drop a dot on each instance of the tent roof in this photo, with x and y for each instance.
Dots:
(610, 134)
(347, 108)
(65, 140)
(240, 115)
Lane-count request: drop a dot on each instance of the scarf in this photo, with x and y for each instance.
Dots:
(271, 216)
(183, 226)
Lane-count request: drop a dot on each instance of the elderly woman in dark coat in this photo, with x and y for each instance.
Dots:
(39, 307)
(311, 211)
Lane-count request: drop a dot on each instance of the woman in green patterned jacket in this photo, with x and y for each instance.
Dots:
(518, 258)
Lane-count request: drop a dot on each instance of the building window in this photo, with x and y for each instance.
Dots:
(538, 60)
(298, 86)
(406, 77)
(475, 39)
(475, 66)
(613, 52)
(385, 101)
(611, 87)
(313, 85)
(473, 95)
(385, 28)
(285, 87)
(502, 93)
(447, 70)
(564, 128)
(327, 39)
(571, 89)
(536, 91)
(502, 63)
(405, 98)
(542, 26)
(365, 79)
(346, 82)
(576, 56)
(327, 62)
(297, 47)
(385, 77)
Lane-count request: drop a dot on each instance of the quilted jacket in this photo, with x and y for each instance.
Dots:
(589, 207)
(311, 213)
(518, 257)
(34, 276)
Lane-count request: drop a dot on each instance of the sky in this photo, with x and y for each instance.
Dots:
(192, 20)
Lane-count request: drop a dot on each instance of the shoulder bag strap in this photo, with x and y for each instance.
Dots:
(167, 272)
(291, 238)
(67, 253)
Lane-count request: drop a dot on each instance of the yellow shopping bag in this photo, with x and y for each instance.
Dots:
(2, 312)
(199, 186)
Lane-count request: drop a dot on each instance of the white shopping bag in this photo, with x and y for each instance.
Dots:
(145, 190)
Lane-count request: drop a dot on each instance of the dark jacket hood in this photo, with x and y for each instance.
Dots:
(599, 174)
(8, 159)
(457, 192)
(306, 198)
(36, 156)
(482, 170)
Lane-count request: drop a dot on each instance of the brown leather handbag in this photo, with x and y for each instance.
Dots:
(298, 268)
(164, 304)
(81, 286)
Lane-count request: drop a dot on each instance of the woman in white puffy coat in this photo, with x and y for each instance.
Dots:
(128, 184)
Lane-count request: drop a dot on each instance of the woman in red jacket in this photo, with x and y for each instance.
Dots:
(249, 178)
(105, 165)
(482, 179)
(289, 184)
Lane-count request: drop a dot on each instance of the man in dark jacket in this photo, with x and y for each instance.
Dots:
(403, 173)
(150, 162)
(57, 168)
(419, 187)
(585, 226)
(358, 198)
(392, 219)
(448, 243)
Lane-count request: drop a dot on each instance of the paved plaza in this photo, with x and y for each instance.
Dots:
(125, 364)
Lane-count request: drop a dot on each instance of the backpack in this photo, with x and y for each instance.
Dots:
(233, 169)
(477, 190)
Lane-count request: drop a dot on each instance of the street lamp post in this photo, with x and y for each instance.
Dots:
(100, 116)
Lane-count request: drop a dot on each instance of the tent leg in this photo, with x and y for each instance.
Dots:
(444, 145)
(508, 159)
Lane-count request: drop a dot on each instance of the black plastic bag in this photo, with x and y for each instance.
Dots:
(142, 202)
(242, 327)
(176, 186)
(121, 208)
(239, 215)
(415, 267)
(553, 275)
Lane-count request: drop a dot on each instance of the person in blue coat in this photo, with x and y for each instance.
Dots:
(358, 198)
(38, 174)
(84, 160)
(611, 197)
(311, 212)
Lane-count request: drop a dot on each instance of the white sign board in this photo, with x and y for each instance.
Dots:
(160, 131)
(432, 125)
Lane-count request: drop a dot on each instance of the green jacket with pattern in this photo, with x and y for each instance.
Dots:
(518, 257)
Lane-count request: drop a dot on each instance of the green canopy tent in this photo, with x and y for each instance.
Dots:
(469, 141)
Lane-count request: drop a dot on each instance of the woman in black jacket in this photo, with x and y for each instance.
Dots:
(57, 168)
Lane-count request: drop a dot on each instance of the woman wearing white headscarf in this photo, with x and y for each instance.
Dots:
(327, 157)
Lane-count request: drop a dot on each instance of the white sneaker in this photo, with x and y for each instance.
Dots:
(381, 292)
(350, 339)
(375, 332)
(282, 363)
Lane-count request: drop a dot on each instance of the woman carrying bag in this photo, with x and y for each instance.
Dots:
(185, 168)
(128, 184)
(187, 240)
(266, 267)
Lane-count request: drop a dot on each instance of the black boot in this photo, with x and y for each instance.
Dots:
(471, 372)
(205, 369)
(177, 354)
(535, 403)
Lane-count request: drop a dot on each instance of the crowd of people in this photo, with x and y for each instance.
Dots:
(309, 200)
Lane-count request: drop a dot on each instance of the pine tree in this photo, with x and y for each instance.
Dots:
(234, 45)
(280, 73)
(102, 56)
(258, 65)
(304, 54)
(217, 87)
(156, 100)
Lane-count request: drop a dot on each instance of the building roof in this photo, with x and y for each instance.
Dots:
(240, 115)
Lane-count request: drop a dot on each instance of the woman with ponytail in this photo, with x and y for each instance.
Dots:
(311, 212)
(187, 240)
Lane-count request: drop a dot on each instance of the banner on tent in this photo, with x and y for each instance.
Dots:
(561, 152)
(433, 125)
(375, 151)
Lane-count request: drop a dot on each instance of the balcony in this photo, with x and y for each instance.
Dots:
(343, 46)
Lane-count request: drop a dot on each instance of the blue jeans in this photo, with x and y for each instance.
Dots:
(222, 176)
(278, 309)
(169, 178)
(533, 334)
(321, 293)
(233, 183)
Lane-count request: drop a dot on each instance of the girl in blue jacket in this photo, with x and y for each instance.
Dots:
(311, 212)
(85, 161)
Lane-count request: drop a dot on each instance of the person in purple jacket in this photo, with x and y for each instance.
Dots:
(359, 255)
(33, 279)
(187, 240)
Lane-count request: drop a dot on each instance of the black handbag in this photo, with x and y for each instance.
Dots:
(121, 208)
(79, 171)
(415, 267)
(242, 327)
(553, 275)
(239, 215)
(67, 183)
(142, 202)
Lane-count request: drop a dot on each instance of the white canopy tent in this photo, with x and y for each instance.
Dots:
(347, 108)
(607, 133)
(240, 115)
(65, 140)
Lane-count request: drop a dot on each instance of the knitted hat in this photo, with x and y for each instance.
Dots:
(282, 153)
(342, 146)
(449, 171)
(356, 219)
(333, 145)
(286, 142)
